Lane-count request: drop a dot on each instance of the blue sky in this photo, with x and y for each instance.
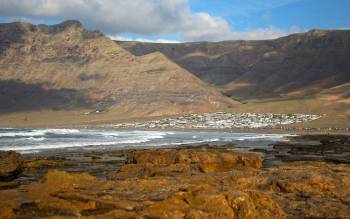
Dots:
(306, 14)
(186, 20)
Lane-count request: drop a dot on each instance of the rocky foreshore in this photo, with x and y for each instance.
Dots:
(186, 182)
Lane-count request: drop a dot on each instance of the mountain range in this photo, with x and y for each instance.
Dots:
(300, 73)
(298, 64)
(66, 67)
(64, 74)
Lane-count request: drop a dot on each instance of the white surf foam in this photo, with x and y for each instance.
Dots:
(23, 133)
(62, 131)
(258, 136)
(35, 139)
(145, 137)
(24, 140)
(55, 146)
(38, 132)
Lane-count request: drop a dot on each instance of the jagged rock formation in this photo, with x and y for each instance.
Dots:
(65, 66)
(297, 65)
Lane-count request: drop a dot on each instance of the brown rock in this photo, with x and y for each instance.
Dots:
(170, 162)
(151, 170)
(74, 195)
(293, 190)
(11, 164)
(320, 189)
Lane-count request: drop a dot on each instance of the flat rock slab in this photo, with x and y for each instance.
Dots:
(175, 162)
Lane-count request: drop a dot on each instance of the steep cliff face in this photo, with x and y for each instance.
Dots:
(299, 64)
(65, 66)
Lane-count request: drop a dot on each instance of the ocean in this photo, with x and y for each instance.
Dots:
(38, 140)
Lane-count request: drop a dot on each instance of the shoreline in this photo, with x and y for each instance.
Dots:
(294, 130)
(131, 181)
(171, 182)
(272, 152)
(289, 136)
(62, 141)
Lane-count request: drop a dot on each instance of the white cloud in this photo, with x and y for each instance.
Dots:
(122, 38)
(142, 17)
(262, 33)
(250, 34)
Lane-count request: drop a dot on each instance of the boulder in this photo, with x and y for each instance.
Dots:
(11, 165)
(172, 162)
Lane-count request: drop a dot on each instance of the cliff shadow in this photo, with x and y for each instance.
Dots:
(16, 96)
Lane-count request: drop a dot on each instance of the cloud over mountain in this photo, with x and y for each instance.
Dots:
(143, 17)
(151, 17)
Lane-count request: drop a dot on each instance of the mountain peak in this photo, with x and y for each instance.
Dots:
(26, 26)
(271, 68)
(70, 23)
(318, 32)
(66, 25)
(90, 71)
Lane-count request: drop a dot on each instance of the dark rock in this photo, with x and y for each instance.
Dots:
(329, 148)
(11, 165)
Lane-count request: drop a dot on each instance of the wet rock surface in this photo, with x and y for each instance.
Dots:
(96, 163)
(328, 148)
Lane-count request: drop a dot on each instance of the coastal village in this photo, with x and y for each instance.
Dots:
(222, 120)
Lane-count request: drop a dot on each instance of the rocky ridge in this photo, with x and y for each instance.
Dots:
(299, 64)
(65, 67)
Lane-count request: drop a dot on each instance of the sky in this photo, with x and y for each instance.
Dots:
(185, 20)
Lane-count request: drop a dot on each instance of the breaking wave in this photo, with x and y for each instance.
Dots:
(36, 140)
(8, 132)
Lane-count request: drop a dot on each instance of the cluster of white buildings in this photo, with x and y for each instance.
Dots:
(221, 120)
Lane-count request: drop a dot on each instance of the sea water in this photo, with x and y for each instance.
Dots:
(37, 140)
